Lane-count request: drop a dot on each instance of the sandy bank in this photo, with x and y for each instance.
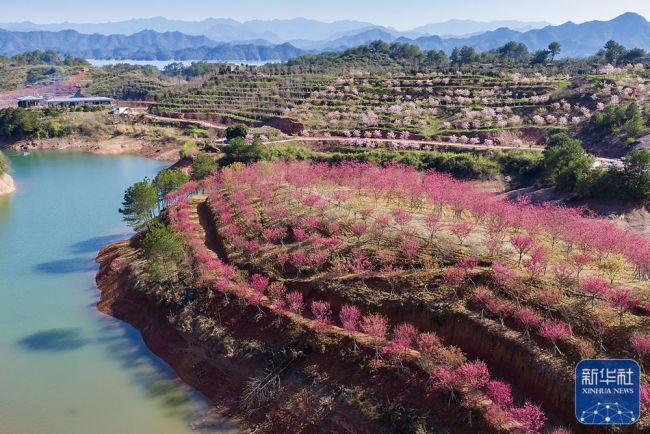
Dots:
(7, 184)
(113, 146)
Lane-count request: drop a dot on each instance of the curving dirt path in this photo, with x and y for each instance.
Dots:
(183, 121)
(203, 215)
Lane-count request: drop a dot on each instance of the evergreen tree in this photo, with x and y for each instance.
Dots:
(163, 250)
(138, 207)
(554, 48)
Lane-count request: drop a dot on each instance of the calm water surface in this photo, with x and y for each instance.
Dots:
(64, 367)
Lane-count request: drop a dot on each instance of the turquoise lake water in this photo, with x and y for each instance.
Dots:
(65, 368)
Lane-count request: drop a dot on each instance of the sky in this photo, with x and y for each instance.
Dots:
(401, 14)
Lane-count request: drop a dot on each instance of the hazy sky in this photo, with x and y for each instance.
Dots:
(402, 14)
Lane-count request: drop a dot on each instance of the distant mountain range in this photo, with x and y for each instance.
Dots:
(453, 28)
(223, 39)
(144, 45)
(577, 40)
(296, 30)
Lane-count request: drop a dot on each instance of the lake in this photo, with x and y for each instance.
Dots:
(65, 368)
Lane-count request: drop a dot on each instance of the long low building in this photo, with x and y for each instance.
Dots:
(31, 101)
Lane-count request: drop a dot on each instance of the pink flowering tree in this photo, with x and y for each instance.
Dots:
(254, 298)
(295, 302)
(580, 260)
(403, 337)
(350, 316)
(461, 229)
(405, 334)
(428, 344)
(645, 398)
(376, 327)
(595, 287)
(433, 225)
(299, 259)
(500, 393)
(500, 308)
(538, 261)
(641, 346)
(259, 283)
(277, 291)
(453, 277)
(401, 217)
(411, 248)
(467, 264)
(473, 376)
(623, 301)
(529, 318)
(445, 379)
(481, 297)
(554, 331)
(321, 311)
(522, 243)
(563, 273)
(530, 418)
(358, 229)
(358, 262)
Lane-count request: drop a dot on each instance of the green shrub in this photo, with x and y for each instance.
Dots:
(462, 165)
(637, 173)
(520, 163)
(169, 180)
(203, 166)
(239, 150)
(196, 131)
(19, 123)
(163, 250)
(236, 131)
(566, 164)
(615, 119)
(188, 149)
(291, 152)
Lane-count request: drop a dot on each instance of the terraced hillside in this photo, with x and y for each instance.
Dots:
(355, 284)
(481, 105)
(243, 96)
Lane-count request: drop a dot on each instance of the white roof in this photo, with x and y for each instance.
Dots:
(79, 99)
(30, 98)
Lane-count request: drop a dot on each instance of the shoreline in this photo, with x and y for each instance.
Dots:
(119, 145)
(190, 362)
(7, 184)
(220, 373)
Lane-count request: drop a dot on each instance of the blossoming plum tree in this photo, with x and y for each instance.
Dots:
(554, 331)
(376, 327)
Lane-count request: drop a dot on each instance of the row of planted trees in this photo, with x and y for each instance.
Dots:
(349, 218)
(459, 104)
(543, 264)
(446, 368)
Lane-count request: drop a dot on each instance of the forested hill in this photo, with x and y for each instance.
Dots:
(145, 45)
